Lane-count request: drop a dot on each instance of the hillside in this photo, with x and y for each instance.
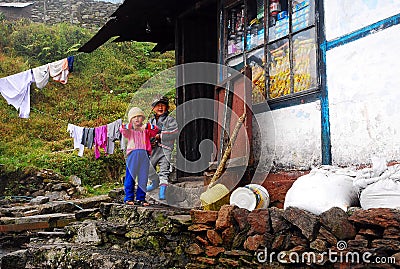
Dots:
(99, 91)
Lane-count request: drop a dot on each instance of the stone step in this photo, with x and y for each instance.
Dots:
(67, 206)
(37, 222)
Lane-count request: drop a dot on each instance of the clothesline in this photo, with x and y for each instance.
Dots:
(75, 56)
(16, 88)
(101, 137)
(85, 136)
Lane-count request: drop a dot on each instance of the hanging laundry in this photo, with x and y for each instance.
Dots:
(76, 133)
(113, 134)
(16, 90)
(59, 71)
(88, 137)
(70, 60)
(100, 140)
(41, 75)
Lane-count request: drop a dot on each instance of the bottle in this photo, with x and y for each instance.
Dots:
(274, 7)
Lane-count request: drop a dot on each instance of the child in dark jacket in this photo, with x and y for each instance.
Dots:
(163, 145)
(138, 151)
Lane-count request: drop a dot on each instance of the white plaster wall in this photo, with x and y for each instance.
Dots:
(290, 137)
(345, 16)
(363, 79)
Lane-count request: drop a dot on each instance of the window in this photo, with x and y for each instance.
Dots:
(278, 42)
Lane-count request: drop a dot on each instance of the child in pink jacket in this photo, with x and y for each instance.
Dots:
(138, 151)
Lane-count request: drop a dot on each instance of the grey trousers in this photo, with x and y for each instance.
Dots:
(161, 157)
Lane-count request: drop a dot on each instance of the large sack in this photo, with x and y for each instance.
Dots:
(381, 194)
(322, 189)
(379, 190)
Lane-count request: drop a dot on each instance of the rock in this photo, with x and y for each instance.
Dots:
(278, 222)
(194, 249)
(327, 235)
(117, 194)
(353, 245)
(228, 235)
(199, 227)
(75, 181)
(396, 258)
(236, 252)
(88, 234)
(307, 222)
(205, 260)
(214, 237)
(280, 242)
(71, 191)
(391, 233)
(31, 212)
(184, 220)
(224, 219)
(239, 239)
(335, 220)
(39, 200)
(318, 245)
(229, 262)
(240, 216)
(213, 251)
(252, 243)
(14, 260)
(259, 221)
(61, 186)
(386, 244)
(383, 217)
(202, 241)
(375, 233)
(204, 216)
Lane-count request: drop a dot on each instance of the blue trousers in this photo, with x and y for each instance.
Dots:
(137, 165)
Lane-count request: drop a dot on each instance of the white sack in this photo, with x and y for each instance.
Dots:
(379, 190)
(322, 189)
(381, 194)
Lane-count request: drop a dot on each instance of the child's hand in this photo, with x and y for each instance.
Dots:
(127, 126)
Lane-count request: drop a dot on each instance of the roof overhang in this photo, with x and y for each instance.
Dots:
(143, 21)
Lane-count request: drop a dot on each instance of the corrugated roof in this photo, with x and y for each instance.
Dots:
(18, 5)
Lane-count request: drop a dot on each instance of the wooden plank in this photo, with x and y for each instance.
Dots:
(24, 227)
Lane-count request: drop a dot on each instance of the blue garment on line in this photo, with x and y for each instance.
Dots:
(70, 60)
(137, 165)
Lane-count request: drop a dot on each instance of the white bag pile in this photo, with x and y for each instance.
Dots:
(380, 185)
(323, 188)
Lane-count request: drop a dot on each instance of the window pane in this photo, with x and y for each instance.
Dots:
(256, 60)
(302, 14)
(279, 69)
(304, 58)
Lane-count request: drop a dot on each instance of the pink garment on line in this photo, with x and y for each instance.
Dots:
(100, 140)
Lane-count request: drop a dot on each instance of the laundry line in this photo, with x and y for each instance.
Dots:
(16, 88)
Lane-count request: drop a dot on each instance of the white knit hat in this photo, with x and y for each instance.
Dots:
(135, 111)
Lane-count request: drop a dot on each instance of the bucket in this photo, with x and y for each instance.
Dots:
(215, 197)
(250, 197)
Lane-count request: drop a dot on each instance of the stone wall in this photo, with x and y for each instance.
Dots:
(122, 237)
(88, 13)
(293, 238)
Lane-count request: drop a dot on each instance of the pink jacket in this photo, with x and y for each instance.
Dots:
(139, 139)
